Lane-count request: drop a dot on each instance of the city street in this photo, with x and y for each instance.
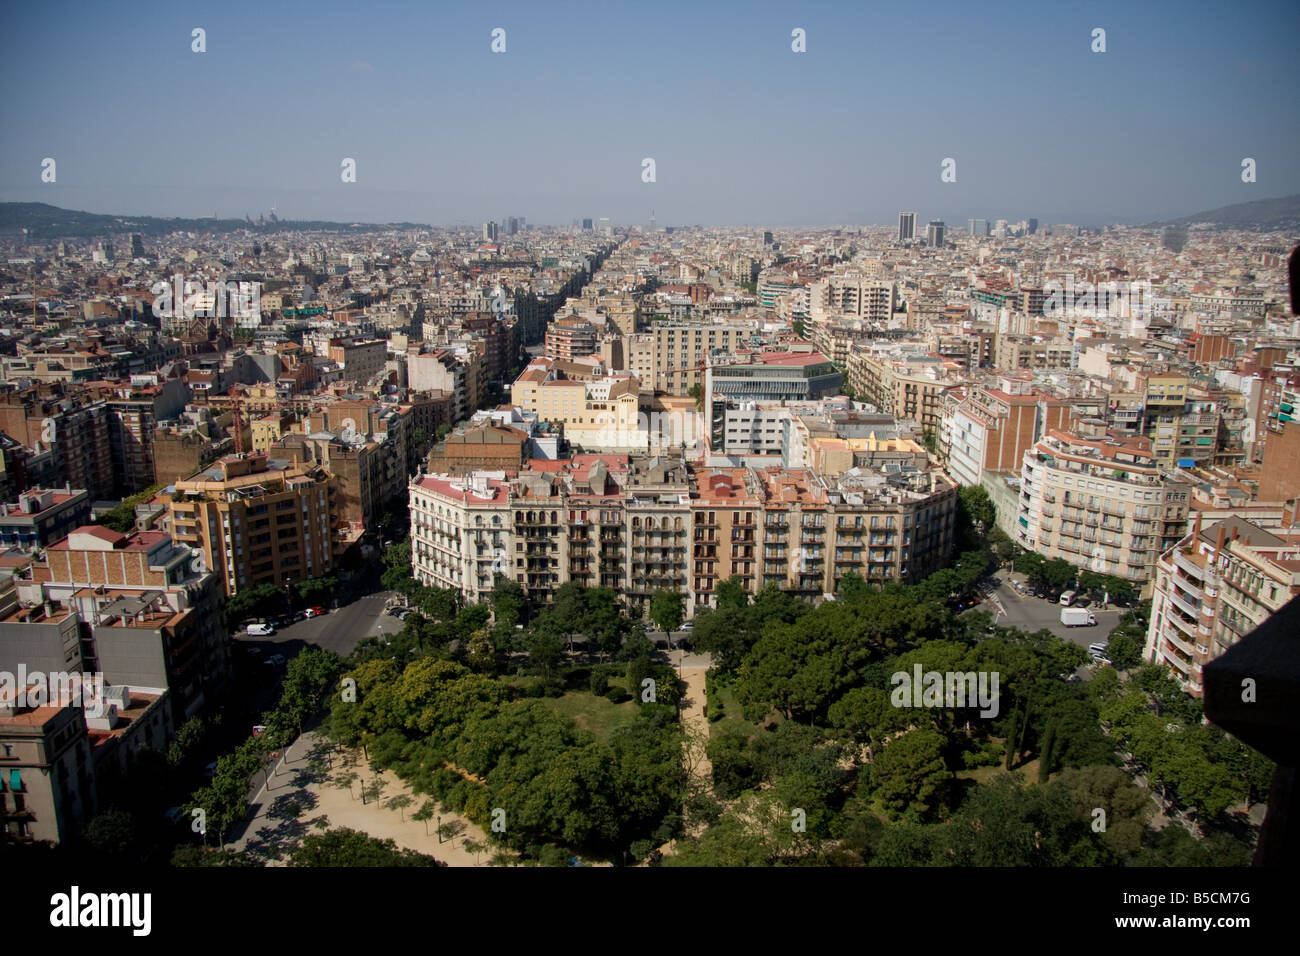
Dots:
(1031, 614)
(339, 630)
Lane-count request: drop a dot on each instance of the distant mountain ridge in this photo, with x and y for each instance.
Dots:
(1270, 215)
(43, 221)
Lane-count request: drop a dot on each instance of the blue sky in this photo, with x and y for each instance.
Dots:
(742, 129)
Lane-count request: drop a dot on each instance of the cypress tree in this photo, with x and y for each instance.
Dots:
(1045, 752)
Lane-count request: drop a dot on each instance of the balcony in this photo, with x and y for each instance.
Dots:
(1191, 610)
(1186, 628)
(1179, 663)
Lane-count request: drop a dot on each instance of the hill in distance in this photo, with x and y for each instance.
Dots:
(43, 221)
(1268, 215)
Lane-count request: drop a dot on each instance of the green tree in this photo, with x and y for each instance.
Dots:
(399, 803)
(112, 833)
(975, 506)
(192, 854)
(666, 609)
(189, 736)
(909, 777)
(341, 846)
(731, 593)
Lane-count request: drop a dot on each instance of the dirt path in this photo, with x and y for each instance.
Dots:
(693, 704)
(299, 800)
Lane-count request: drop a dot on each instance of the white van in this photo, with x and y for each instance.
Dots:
(260, 630)
(1068, 598)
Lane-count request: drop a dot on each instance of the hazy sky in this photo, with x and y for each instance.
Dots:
(742, 129)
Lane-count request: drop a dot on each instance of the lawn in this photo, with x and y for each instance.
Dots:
(593, 713)
(733, 715)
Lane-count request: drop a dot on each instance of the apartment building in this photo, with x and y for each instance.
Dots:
(989, 428)
(1025, 352)
(461, 533)
(46, 791)
(490, 447)
(360, 361)
(135, 411)
(570, 337)
(597, 414)
(1101, 503)
(259, 521)
(671, 356)
(858, 296)
(76, 429)
(41, 517)
(60, 763)
(1213, 588)
(904, 387)
(151, 613)
(638, 524)
(455, 373)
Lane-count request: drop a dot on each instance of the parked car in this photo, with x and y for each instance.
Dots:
(683, 644)
(254, 651)
(275, 660)
(661, 644)
(316, 611)
(260, 630)
(688, 626)
(210, 770)
(279, 621)
(174, 815)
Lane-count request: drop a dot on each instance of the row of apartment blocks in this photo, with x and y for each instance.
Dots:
(1214, 587)
(638, 524)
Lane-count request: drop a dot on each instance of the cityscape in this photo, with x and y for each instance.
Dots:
(967, 535)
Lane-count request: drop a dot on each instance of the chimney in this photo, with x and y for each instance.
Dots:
(1218, 545)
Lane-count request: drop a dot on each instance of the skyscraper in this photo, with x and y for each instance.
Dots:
(978, 227)
(586, 224)
(906, 226)
(934, 233)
